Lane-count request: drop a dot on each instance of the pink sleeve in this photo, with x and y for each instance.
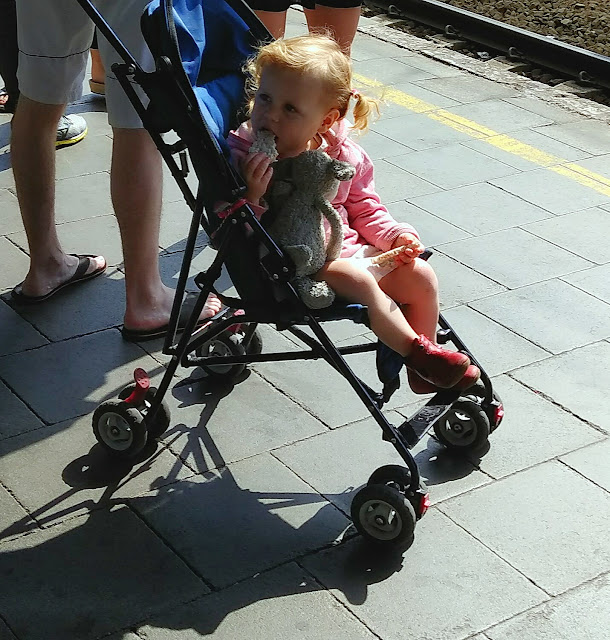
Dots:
(367, 215)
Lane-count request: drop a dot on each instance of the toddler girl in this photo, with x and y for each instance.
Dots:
(302, 88)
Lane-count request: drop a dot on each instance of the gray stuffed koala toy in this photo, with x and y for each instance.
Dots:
(299, 195)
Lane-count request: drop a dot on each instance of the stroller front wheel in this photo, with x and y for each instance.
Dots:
(162, 420)
(466, 428)
(222, 346)
(383, 515)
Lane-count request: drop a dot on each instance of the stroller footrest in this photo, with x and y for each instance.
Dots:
(415, 428)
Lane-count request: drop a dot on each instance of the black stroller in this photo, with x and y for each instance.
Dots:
(197, 91)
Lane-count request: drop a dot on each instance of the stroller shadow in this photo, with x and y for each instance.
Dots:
(235, 531)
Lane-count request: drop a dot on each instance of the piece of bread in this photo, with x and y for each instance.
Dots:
(265, 143)
(389, 257)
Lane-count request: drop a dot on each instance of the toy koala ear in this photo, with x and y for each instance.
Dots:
(343, 171)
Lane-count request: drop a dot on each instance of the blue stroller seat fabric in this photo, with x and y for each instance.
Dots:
(197, 91)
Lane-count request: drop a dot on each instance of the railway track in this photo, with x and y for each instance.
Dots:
(566, 60)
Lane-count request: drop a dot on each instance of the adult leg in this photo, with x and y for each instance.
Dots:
(275, 21)
(34, 131)
(342, 22)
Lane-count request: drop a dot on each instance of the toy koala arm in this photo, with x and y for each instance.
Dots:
(333, 251)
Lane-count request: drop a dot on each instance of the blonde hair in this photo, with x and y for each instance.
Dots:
(321, 57)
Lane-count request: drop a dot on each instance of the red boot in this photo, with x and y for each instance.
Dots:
(441, 367)
(419, 385)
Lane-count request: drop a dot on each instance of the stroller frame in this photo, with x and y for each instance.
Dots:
(141, 413)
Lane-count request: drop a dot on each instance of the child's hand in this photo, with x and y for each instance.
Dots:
(414, 247)
(257, 172)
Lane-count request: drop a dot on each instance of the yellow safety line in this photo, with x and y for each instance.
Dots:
(563, 167)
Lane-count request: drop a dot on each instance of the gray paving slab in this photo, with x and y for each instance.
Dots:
(452, 166)
(468, 88)
(499, 116)
(11, 218)
(91, 156)
(275, 604)
(14, 519)
(592, 462)
(81, 197)
(546, 109)
(15, 417)
(580, 614)
(525, 531)
(606, 207)
(544, 314)
(51, 381)
(419, 132)
(533, 430)
(254, 515)
(338, 462)
(14, 264)
(436, 68)
(366, 47)
(390, 71)
(210, 429)
(175, 224)
(480, 208)
(595, 281)
(578, 380)
(78, 475)
(393, 183)
(16, 334)
(399, 598)
(582, 232)
(551, 191)
(459, 284)
(498, 349)
(589, 135)
(76, 310)
(514, 257)
(408, 94)
(326, 394)
(597, 164)
(558, 151)
(90, 576)
(95, 235)
(432, 230)
(379, 147)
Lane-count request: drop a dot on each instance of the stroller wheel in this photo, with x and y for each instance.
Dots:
(119, 428)
(223, 346)
(494, 410)
(384, 516)
(465, 428)
(162, 417)
(255, 346)
(399, 478)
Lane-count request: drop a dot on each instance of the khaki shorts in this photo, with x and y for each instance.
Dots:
(54, 37)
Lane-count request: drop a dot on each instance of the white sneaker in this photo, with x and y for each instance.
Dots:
(70, 130)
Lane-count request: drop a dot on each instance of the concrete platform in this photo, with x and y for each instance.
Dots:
(237, 524)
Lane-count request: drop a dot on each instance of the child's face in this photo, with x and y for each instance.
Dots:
(293, 107)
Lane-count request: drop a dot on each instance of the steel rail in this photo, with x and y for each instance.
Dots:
(519, 44)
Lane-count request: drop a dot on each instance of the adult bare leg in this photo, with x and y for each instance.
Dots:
(275, 21)
(34, 132)
(136, 187)
(341, 22)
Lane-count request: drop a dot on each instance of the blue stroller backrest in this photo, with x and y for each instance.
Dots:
(212, 40)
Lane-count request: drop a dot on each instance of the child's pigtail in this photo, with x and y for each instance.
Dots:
(364, 110)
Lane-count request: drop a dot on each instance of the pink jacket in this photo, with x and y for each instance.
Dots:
(365, 220)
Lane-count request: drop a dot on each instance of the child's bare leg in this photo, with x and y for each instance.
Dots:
(414, 286)
(386, 318)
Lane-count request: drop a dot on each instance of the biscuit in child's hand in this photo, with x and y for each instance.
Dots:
(265, 143)
(388, 258)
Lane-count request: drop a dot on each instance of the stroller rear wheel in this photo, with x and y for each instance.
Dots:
(119, 428)
(383, 515)
(224, 345)
(158, 426)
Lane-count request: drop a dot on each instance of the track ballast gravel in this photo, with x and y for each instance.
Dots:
(585, 24)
